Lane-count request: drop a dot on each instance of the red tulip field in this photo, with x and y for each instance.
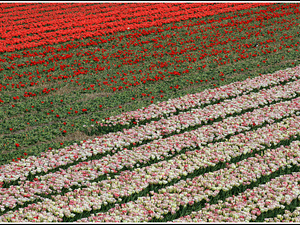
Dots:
(149, 112)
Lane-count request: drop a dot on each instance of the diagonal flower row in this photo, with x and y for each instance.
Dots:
(83, 173)
(204, 97)
(95, 27)
(128, 183)
(190, 191)
(251, 203)
(148, 132)
(288, 216)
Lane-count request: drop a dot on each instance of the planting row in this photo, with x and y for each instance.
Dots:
(192, 191)
(288, 216)
(167, 199)
(94, 54)
(140, 117)
(35, 79)
(154, 130)
(248, 205)
(38, 16)
(82, 173)
(54, 131)
(206, 97)
(31, 141)
(86, 172)
(92, 25)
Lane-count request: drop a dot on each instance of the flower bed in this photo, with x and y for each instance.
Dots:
(110, 191)
(148, 132)
(208, 96)
(224, 147)
(188, 192)
(247, 206)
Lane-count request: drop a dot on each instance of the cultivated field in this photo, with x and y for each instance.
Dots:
(150, 112)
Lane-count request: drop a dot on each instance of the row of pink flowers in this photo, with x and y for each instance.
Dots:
(86, 171)
(151, 131)
(251, 203)
(288, 216)
(207, 96)
(112, 191)
(187, 192)
(38, 212)
(82, 173)
(94, 25)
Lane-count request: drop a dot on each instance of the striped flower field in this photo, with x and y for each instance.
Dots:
(188, 113)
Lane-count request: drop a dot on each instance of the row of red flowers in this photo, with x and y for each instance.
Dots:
(90, 24)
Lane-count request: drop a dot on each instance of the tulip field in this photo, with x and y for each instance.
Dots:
(149, 112)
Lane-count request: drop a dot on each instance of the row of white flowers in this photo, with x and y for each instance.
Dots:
(194, 190)
(251, 203)
(152, 131)
(10, 197)
(288, 216)
(207, 96)
(82, 173)
(112, 191)
(198, 116)
(34, 213)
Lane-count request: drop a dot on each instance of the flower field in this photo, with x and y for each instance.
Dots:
(149, 112)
